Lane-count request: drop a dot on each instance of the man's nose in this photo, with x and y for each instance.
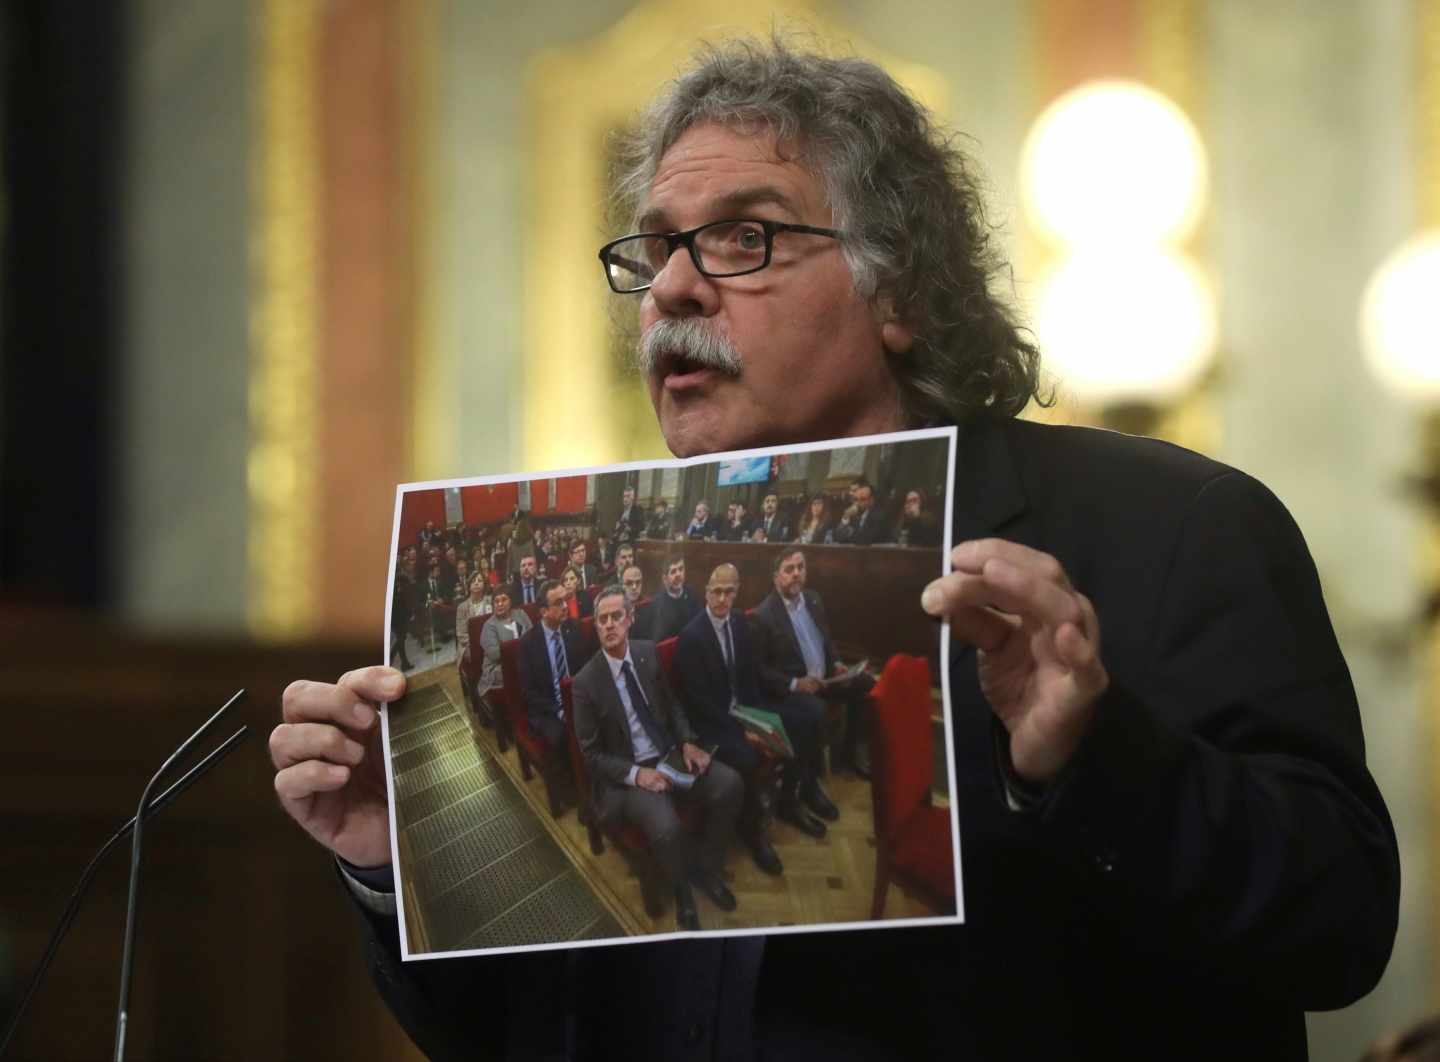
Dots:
(681, 290)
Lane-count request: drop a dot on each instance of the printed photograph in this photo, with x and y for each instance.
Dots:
(675, 697)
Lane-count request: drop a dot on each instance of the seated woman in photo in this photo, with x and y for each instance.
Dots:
(504, 625)
(578, 604)
(477, 604)
(816, 524)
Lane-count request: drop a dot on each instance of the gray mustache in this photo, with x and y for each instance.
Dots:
(689, 338)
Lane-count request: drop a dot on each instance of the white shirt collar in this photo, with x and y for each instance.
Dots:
(616, 665)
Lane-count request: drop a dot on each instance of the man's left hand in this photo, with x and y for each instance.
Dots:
(696, 758)
(1039, 647)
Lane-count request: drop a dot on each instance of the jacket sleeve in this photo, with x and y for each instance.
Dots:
(490, 643)
(475, 1009)
(1226, 815)
(539, 699)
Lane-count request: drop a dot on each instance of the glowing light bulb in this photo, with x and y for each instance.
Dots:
(1113, 161)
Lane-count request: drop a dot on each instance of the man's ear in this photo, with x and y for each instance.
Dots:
(895, 333)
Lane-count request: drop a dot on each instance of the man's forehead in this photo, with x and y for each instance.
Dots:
(714, 172)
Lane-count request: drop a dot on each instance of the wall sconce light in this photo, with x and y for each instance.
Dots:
(1114, 178)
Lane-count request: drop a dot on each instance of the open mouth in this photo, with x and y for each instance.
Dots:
(678, 372)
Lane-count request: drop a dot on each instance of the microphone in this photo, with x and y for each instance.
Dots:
(127, 958)
(72, 906)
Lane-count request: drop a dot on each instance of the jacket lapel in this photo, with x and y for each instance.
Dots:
(988, 493)
(776, 604)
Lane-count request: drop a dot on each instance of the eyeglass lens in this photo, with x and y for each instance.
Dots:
(725, 248)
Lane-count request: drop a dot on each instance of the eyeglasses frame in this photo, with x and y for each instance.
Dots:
(686, 239)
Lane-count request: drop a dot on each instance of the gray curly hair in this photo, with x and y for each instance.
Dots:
(907, 198)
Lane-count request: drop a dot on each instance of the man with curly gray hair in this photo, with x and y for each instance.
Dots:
(1171, 844)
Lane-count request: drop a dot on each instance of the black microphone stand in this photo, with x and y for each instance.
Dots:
(127, 959)
(72, 906)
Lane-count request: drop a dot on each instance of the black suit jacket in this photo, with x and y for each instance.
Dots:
(537, 678)
(601, 727)
(701, 678)
(517, 593)
(707, 530)
(777, 527)
(631, 529)
(728, 532)
(778, 646)
(1214, 861)
(874, 529)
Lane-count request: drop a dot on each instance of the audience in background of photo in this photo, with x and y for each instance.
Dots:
(659, 526)
(702, 525)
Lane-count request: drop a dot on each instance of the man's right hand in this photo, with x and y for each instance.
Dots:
(328, 756)
(809, 684)
(651, 779)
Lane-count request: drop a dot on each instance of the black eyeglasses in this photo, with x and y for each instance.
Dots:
(719, 249)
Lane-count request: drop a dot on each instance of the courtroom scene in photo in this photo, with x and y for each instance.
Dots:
(688, 696)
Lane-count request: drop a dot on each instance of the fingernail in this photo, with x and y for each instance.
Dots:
(364, 714)
(394, 682)
(932, 599)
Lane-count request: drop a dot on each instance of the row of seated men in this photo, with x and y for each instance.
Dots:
(628, 715)
(858, 521)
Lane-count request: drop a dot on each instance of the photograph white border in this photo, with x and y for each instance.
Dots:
(958, 918)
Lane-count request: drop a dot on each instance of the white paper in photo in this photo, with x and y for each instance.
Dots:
(664, 476)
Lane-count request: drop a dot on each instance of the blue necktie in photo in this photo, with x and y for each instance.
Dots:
(561, 666)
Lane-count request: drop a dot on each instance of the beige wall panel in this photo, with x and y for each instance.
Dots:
(1309, 109)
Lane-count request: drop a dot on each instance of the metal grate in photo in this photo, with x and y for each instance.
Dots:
(481, 868)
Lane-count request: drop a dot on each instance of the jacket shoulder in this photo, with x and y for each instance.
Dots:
(1094, 458)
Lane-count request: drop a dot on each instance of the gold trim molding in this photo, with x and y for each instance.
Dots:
(1427, 113)
(283, 334)
(577, 97)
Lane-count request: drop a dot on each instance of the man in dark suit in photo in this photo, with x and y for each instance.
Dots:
(626, 721)
(624, 557)
(675, 604)
(429, 535)
(632, 579)
(630, 524)
(776, 527)
(864, 524)
(587, 573)
(549, 651)
(525, 590)
(738, 527)
(797, 653)
(702, 525)
(715, 668)
(660, 526)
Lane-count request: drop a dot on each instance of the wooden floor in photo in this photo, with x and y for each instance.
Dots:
(825, 881)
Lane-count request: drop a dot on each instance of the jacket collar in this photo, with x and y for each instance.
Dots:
(988, 492)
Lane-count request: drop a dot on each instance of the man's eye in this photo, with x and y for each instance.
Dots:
(748, 238)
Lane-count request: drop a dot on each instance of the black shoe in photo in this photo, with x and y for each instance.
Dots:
(795, 813)
(685, 915)
(766, 858)
(819, 802)
(711, 885)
